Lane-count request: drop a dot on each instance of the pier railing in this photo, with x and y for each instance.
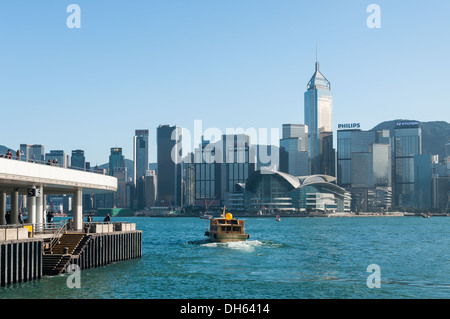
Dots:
(26, 230)
(57, 234)
(54, 163)
(108, 227)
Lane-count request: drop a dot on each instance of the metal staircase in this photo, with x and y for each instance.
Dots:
(68, 246)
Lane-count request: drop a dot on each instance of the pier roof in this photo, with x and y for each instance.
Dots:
(21, 175)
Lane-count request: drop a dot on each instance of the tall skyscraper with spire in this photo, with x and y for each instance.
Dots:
(318, 118)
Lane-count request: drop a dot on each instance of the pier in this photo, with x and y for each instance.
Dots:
(35, 248)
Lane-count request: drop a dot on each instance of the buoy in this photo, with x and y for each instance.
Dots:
(228, 216)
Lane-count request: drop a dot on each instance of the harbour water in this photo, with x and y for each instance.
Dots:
(296, 258)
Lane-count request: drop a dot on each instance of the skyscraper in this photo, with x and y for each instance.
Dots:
(60, 156)
(407, 144)
(32, 152)
(364, 167)
(78, 160)
(294, 150)
(116, 159)
(318, 118)
(140, 154)
(140, 164)
(169, 170)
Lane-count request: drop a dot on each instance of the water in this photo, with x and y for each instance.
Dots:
(296, 258)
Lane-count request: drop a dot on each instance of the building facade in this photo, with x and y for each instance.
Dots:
(218, 168)
(116, 159)
(33, 152)
(140, 164)
(62, 159)
(170, 177)
(318, 110)
(294, 158)
(78, 160)
(140, 153)
(407, 144)
(364, 168)
(277, 191)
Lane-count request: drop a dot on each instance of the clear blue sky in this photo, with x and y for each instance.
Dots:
(235, 63)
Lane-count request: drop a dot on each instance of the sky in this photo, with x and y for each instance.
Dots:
(244, 64)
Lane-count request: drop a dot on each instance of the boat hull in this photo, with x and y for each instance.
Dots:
(226, 238)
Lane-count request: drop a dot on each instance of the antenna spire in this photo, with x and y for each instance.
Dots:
(317, 61)
(316, 51)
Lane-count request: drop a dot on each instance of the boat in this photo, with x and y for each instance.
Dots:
(226, 229)
(425, 216)
(278, 218)
(206, 216)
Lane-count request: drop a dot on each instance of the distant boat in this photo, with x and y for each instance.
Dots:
(206, 216)
(278, 218)
(425, 216)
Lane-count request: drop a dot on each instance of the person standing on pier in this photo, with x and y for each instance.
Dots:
(49, 217)
(18, 154)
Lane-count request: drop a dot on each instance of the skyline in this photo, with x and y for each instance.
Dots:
(151, 63)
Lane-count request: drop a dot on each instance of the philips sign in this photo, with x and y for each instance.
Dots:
(349, 126)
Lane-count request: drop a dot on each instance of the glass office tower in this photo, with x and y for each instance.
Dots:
(78, 159)
(422, 181)
(169, 171)
(294, 150)
(318, 118)
(140, 154)
(33, 153)
(140, 164)
(348, 143)
(364, 167)
(116, 159)
(407, 144)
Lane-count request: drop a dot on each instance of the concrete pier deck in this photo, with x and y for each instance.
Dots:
(99, 244)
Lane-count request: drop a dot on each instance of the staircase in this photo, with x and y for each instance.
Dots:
(69, 244)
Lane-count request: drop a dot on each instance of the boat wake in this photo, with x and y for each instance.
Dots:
(248, 245)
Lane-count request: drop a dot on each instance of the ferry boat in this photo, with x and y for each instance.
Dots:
(226, 229)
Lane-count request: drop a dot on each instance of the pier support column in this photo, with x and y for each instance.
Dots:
(78, 209)
(31, 207)
(44, 207)
(2, 208)
(14, 207)
(39, 208)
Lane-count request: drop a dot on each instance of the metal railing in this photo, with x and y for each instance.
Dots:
(56, 235)
(53, 163)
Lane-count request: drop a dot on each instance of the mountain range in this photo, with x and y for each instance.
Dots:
(435, 135)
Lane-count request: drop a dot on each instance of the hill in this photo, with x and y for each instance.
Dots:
(435, 135)
(4, 149)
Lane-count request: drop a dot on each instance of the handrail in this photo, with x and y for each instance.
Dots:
(51, 163)
(57, 234)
